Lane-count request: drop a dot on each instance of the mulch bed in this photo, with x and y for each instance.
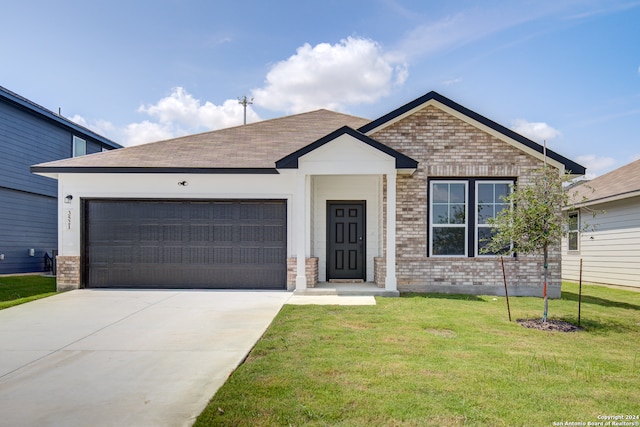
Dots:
(549, 325)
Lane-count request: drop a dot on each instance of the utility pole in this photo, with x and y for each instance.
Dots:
(244, 102)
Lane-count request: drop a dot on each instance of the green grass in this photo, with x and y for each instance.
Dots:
(440, 360)
(15, 290)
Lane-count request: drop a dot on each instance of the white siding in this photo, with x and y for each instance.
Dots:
(611, 253)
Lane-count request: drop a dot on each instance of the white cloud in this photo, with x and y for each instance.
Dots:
(181, 108)
(537, 131)
(351, 72)
(101, 127)
(596, 165)
(146, 131)
(180, 113)
(175, 115)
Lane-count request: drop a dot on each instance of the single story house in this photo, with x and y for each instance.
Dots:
(401, 201)
(30, 133)
(609, 243)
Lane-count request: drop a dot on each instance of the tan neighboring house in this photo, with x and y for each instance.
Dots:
(401, 201)
(610, 245)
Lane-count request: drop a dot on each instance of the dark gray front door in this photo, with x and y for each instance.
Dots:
(185, 244)
(346, 240)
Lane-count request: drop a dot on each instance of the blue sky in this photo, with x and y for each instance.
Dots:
(567, 71)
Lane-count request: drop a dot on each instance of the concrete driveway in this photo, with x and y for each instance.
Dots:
(125, 358)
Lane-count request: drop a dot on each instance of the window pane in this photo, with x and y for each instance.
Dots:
(485, 193)
(573, 241)
(448, 240)
(500, 206)
(440, 214)
(457, 214)
(79, 147)
(501, 191)
(573, 222)
(457, 193)
(440, 193)
(484, 236)
(485, 211)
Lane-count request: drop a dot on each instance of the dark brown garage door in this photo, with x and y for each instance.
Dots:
(221, 244)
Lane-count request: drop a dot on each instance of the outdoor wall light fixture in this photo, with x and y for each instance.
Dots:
(183, 183)
(32, 252)
(68, 198)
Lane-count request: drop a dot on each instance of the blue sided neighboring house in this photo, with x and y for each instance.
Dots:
(32, 134)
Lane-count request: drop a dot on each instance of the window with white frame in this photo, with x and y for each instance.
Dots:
(459, 212)
(448, 218)
(490, 201)
(574, 231)
(79, 146)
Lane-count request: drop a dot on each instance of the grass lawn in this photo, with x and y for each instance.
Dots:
(439, 360)
(16, 290)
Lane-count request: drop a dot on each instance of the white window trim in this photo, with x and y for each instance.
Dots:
(466, 217)
(576, 231)
(73, 146)
(476, 225)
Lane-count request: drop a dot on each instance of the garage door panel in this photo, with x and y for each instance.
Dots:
(223, 233)
(185, 244)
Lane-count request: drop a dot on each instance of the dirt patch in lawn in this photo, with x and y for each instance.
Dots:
(549, 325)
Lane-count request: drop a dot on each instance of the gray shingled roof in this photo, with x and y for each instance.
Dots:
(252, 146)
(618, 184)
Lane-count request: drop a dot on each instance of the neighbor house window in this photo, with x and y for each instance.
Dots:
(448, 218)
(459, 212)
(574, 230)
(489, 203)
(79, 147)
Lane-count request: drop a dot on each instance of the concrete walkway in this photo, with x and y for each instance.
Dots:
(125, 358)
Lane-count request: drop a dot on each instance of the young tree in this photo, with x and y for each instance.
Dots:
(535, 221)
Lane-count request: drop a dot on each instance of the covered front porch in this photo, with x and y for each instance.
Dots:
(344, 215)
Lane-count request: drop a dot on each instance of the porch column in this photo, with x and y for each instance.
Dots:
(390, 281)
(301, 233)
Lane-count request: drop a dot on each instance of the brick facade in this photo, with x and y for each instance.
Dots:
(379, 271)
(311, 272)
(448, 147)
(67, 273)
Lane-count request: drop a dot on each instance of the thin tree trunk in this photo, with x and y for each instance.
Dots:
(544, 291)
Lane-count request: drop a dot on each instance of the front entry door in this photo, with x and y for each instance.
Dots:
(346, 240)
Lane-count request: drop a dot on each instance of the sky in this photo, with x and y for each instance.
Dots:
(564, 71)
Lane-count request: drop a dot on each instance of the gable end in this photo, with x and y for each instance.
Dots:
(291, 161)
(434, 98)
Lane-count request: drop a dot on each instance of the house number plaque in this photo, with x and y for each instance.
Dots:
(67, 219)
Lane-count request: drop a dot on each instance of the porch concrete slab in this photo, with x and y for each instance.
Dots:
(331, 300)
(347, 289)
(113, 358)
